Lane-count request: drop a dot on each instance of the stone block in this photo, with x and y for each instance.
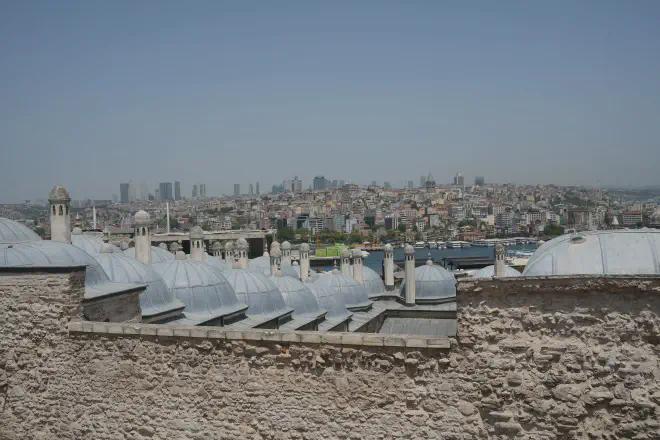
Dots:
(438, 343)
(290, 337)
(233, 335)
(394, 341)
(216, 334)
(164, 332)
(131, 329)
(310, 338)
(351, 339)
(372, 340)
(273, 336)
(199, 332)
(115, 329)
(331, 338)
(253, 335)
(412, 342)
(76, 326)
(99, 327)
(148, 330)
(181, 332)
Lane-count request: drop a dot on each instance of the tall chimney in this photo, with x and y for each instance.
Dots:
(304, 262)
(388, 267)
(345, 256)
(411, 286)
(275, 260)
(142, 237)
(499, 260)
(242, 248)
(196, 244)
(229, 253)
(60, 214)
(358, 267)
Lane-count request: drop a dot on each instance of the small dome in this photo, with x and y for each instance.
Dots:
(107, 248)
(387, 248)
(216, 264)
(329, 300)
(163, 246)
(157, 299)
(345, 253)
(174, 247)
(409, 250)
(289, 270)
(297, 296)
(372, 281)
(304, 247)
(229, 246)
(432, 282)
(286, 246)
(258, 292)
(59, 194)
(142, 218)
(241, 244)
(13, 232)
(76, 231)
(274, 245)
(89, 243)
(539, 243)
(614, 252)
(489, 272)
(196, 233)
(206, 294)
(158, 255)
(260, 264)
(217, 247)
(357, 253)
(355, 295)
(180, 255)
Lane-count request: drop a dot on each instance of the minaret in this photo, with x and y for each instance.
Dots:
(242, 248)
(196, 244)
(286, 253)
(217, 250)
(274, 245)
(358, 267)
(345, 256)
(275, 260)
(142, 237)
(411, 286)
(175, 247)
(388, 267)
(229, 253)
(304, 262)
(106, 235)
(499, 260)
(60, 214)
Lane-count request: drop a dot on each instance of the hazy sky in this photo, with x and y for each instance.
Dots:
(93, 93)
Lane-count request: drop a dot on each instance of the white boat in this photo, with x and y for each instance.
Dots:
(454, 244)
(420, 245)
(433, 245)
(441, 245)
(466, 244)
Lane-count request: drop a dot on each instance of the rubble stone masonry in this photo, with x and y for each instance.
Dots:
(534, 358)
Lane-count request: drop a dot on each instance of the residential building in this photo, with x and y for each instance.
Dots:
(631, 218)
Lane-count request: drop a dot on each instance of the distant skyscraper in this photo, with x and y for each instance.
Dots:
(479, 180)
(157, 192)
(341, 183)
(115, 199)
(123, 192)
(250, 189)
(132, 191)
(144, 191)
(319, 182)
(237, 189)
(195, 192)
(177, 190)
(422, 182)
(410, 184)
(257, 188)
(459, 180)
(334, 183)
(373, 183)
(202, 189)
(165, 191)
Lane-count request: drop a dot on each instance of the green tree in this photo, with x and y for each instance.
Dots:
(553, 229)
(401, 228)
(285, 234)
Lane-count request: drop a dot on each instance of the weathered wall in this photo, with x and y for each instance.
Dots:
(572, 364)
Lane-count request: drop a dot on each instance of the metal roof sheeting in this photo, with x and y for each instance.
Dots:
(432, 282)
(258, 292)
(13, 232)
(354, 294)
(158, 255)
(297, 295)
(489, 272)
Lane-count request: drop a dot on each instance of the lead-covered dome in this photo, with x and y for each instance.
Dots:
(372, 281)
(260, 264)
(489, 272)
(196, 233)
(90, 243)
(12, 231)
(158, 255)
(216, 263)
(258, 292)
(354, 294)
(207, 294)
(142, 218)
(297, 295)
(59, 194)
(634, 252)
(329, 300)
(157, 301)
(432, 283)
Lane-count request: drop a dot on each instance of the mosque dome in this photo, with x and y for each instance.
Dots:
(216, 263)
(387, 248)
(489, 272)
(274, 245)
(157, 300)
(297, 295)
(432, 282)
(372, 281)
(229, 246)
(206, 293)
(261, 264)
(158, 255)
(142, 218)
(59, 194)
(196, 233)
(354, 294)
(286, 246)
(89, 243)
(329, 300)
(620, 252)
(13, 232)
(241, 244)
(175, 247)
(49, 253)
(258, 292)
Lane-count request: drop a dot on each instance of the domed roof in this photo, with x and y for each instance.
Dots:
(48, 253)
(489, 272)
(158, 255)
(329, 300)
(241, 243)
(286, 246)
(260, 264)
(297, 295)
(157, 299)
(13, 232)
(217, 246)
(258, 292)
(432, 282)
(354, 294)
(620, 252)
(345, 253)
(387, 247)
(216, 263)
(304, 247)
(372, 281)
(206, 294)
(142, 218)
(196, 233)
(59, 194)
(409, 250)
(89, 243)
(275, 244)
(229, 246)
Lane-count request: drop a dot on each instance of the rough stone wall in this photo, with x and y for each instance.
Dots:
(556, 362)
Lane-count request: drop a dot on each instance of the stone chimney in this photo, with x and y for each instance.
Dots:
(358, 266)
(275, 260)
(229, 253)
(242, 249)
(196, 244)
(142, 238)
(499, 260)
(304, 262)
(60, 214)
(411, 295)
(388, 267)
(345, 256)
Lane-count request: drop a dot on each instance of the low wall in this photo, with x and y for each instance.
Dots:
(567, 366)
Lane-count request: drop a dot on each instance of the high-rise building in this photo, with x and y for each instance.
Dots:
(257, 188)
(144, 191)
(123, 192)
(177, 190)
(422, 182)
(319, 182)
(157, 192)
(237, 189)
(115, 199)
(165, 191)
(132, 192)
(195, 192)
(341, 183)
(479, 180)
(250, 189)
(410, 184)
(459, 180)
(202, 189)
(373, 183)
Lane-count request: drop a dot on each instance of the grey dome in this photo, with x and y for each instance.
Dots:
(432, 282)
(163, 246)
(387, 247)
(48, 253)
(354, 294)
(634, 252)
(304, 247)
(229, 246)
(196, 233)
(157, 300)
(241, 244)
(217, 247)
(372, 281)
(409, 250)
(206, 294)
(216, 263)
(261, 264)
(297, 295)
(142, 218)
(13, 232)
(345, 253)
(329, 300)
(489, 272)
(89, 243)
(290, 270)
(158, 255)
(258, 292)
(286, 246)
(59, 194)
